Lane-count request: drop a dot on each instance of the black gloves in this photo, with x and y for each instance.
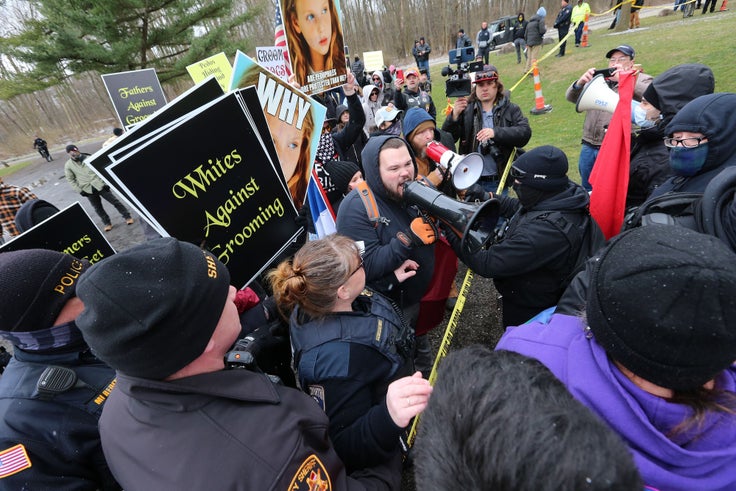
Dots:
(476, 193)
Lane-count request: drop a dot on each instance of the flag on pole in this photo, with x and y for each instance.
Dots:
(322, 215)
(610, 176)
(279, 35)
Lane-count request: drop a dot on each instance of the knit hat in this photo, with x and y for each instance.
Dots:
(340, 109)
(543, 168)
(341, 172)
(33, 212)
(625, 49)
(69, 148)
(35, 284)
(651, 96)
(541, 12)
(662, 302)
(151, 309)
(386, 113)
(418, 119)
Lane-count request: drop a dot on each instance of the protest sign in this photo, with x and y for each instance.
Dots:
(272, 59)
(373, 60)
(217, 65)
(135, 95)
(70, 231)
(294, 120)
(315, 43)
(209, 180)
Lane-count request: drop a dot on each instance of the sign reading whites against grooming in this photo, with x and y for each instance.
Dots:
(135, 95)
(209, 180)
(70, 231)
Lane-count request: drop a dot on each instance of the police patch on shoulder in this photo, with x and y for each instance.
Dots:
(311, 476)
(318, 394)
(13, 460)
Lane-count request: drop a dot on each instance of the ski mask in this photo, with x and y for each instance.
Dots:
(394, 129)
(688, 162)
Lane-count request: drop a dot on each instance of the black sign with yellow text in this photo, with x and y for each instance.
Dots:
(135, 95)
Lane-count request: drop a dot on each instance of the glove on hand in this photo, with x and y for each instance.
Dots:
(421, 232)
(476, 193)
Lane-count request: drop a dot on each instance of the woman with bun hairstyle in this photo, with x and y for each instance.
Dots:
(352, 351)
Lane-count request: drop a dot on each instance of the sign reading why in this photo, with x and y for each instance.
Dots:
(70, 231)
(294, 121)
(272, 59)
(209, 180)
(135, 95)
(217, 65)
(315, 43)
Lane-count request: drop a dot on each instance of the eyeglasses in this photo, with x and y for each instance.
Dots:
(691, 142)
(517, 173)
(621, 59)
(376, 78)
(360, 265)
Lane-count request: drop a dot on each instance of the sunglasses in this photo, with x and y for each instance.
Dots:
(360, 265)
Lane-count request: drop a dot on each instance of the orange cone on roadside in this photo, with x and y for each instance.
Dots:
(584, 41)
(539, 106)
(723, 6)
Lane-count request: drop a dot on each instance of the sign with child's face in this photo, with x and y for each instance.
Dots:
(315, 43)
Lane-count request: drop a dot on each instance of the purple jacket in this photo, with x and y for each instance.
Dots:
(706, 462)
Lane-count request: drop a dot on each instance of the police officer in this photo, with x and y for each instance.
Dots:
(163, 315)
(53, 390)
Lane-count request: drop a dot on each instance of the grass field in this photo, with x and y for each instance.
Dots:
(661, 43)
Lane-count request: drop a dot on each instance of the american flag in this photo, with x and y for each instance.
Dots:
(279, 35)
(13, 460)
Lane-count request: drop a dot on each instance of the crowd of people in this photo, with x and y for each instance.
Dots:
(149, 370)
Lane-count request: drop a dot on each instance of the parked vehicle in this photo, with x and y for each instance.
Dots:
(502, 30)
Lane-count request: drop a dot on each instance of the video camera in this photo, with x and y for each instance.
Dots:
(458, 83)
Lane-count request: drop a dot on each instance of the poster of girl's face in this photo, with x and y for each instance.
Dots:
(292, 118)
(315, 43)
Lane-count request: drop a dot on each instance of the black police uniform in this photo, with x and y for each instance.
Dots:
(57, 431)
(229, 429)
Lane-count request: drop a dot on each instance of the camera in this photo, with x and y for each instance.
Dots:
(458, 82)
(489, 147)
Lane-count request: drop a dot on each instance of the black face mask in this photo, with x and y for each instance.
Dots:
(528, 196)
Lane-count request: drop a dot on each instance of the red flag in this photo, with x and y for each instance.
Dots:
(610, 176)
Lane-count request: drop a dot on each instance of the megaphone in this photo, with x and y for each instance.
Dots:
(474, 223)
(597, 95)
(466, 170)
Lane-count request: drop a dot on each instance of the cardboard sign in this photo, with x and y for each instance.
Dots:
(294, 120)
(70, 231)
(209, 180)
(272, 59)
(217, 66)
(135, 95)
(373, 60)
(315, 43)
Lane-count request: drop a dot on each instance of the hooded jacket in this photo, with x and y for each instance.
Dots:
(531, 263)
(387, 92)
(713, 115)
(535, 29)
(384, 252)
(650, 158)
(683, 463)
(371, 108)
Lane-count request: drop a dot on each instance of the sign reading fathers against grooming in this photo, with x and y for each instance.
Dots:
(70, 231)
(135, 95)
(214, 184)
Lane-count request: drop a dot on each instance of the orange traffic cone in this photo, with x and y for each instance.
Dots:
(723, 6)
(584, 41)
(539, 106)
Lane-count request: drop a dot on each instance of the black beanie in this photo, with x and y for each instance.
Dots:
(544, 168)
(662, 302)
(651, 96)
(341, 172)
(35, 284)
(152, 309)
(33, 212)
(69, 148)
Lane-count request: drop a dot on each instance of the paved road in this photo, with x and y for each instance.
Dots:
(46, 180)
